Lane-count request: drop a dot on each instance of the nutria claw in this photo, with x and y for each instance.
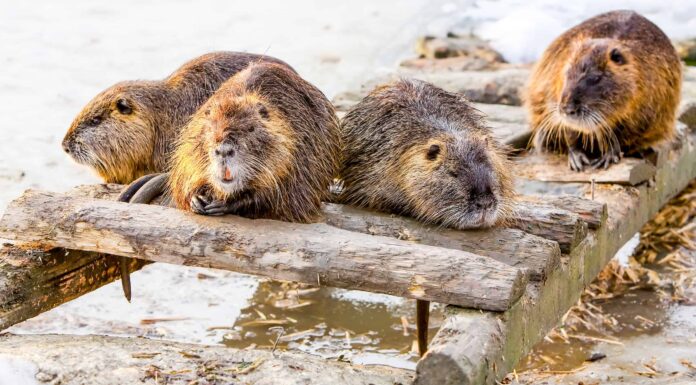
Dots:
(607, 159)
(577, 159)
(201, 205)
(610, 156)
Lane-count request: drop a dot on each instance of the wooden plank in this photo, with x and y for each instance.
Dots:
(550, 222)
(554, 168)
(543, 304)
(309, 253)
(462, 343)
(536, 255)
(594, 213)
(515, 135)
(34, 281)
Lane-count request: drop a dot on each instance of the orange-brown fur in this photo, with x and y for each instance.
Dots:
(289, 158)
(123, 147)
(639, 105)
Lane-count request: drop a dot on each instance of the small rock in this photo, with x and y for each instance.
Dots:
(596, 357)
(45, 377)
(471, 53)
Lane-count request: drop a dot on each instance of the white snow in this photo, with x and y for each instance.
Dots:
(16, 371)
(160, 291)
(521, 29)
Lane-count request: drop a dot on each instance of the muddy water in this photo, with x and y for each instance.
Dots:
(332, 323)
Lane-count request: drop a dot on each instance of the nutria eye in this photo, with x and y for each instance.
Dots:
(263, 111)
(453, 174)
(123, 107)
(617, 57)
(433, 151)
(95, 121)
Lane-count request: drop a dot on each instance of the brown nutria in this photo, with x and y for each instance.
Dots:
(128, 130)
(265, 145)
(412, 148)
(608, 85)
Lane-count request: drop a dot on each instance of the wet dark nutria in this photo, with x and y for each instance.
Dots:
(265, 145)
(128, 130)
(608, 85)
(412, 148)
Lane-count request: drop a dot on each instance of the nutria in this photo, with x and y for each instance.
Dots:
(415, 149)
(608, 85)
(127, 130)
(265, 145)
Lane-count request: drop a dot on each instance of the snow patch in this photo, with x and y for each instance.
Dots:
(16, 371)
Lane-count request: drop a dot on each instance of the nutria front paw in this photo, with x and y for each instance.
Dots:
(612, 155)
(577, 159)
(606, 160)
(202, 205)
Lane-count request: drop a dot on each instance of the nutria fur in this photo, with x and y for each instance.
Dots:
(415, 149)
(265, 145)
(128, 130)
(608, 85)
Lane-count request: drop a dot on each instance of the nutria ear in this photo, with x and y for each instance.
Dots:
(124, 107)
(263, 111)
(616, 56)
(433, 152)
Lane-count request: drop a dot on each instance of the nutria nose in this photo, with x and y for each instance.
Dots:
(572, 107)
(484, 202)
(481, 196)
(66, 146)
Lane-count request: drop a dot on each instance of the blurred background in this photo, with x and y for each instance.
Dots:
(56, 56)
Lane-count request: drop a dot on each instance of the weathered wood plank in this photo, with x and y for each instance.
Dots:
(310, 253)
(34, 281)
(513, 247)
(594, 213)
(462, 343)
(550, 222)
(554, 168)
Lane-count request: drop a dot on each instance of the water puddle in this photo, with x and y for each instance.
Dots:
(337, 324)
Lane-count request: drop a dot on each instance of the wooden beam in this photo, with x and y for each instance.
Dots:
(463, 342)
(535, 255)
(513, 247)
(594, 213)
(550, 222)
(310, 253)
(554, 168)
(34, 281)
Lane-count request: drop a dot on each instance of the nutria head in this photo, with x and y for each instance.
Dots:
(599, 84)
(458, 180)
(248, 144)
(115, 133)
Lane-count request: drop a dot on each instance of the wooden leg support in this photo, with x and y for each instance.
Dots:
(422, 316)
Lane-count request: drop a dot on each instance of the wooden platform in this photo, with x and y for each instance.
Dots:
(516, 283)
